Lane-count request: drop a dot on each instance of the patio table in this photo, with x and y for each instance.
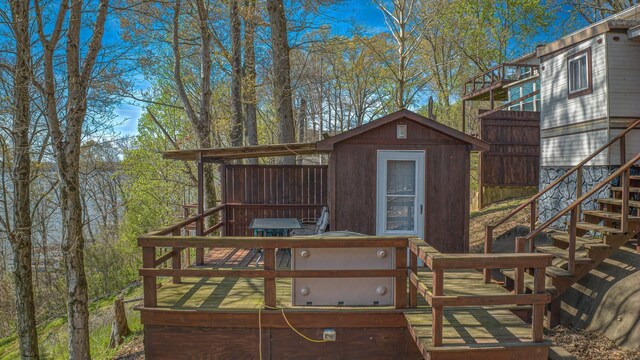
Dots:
(273, 227)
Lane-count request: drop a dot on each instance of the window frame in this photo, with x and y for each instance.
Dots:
(573, 57)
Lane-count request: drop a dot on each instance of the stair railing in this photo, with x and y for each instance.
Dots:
(624, 172)
(532, 201)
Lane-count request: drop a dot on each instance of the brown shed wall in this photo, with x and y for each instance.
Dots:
(352, 182)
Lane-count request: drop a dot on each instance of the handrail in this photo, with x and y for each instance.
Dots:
(500, 68)
(269, 271)
(566, 175)
(435, 296)
(584, 197)
(531, 202)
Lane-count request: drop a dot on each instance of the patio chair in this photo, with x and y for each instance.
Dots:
(318, 228)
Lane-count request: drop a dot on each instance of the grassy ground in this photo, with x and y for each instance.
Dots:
(490, 215)
(53, 335)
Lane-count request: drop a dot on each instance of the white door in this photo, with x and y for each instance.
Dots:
(400, 188)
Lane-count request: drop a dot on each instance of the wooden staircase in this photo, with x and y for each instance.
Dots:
(590, 236)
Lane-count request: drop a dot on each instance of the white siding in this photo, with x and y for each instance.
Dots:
(623, 57)
(557, 109)
(569, 150)
(632, 142)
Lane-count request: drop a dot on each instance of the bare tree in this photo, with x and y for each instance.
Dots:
(282, 95)
(595, 10)
(66, 133)
(236, 75)
(20, 234)
(200, 121)
(407, 31)
(249, 69)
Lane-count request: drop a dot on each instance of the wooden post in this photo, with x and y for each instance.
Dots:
(519, 271)
(401, 281)
(176, 259)
(533, 217)
(623, 150)
(624, 221)
(537, 320)
(223, 198)
(488, 249)
(149, 282)
(491, 99)
(464, 116)
(437, 312)
(572, 241)
(413, 290)
(269, 282)
(200, 221)
(480, 180)
(579, 189)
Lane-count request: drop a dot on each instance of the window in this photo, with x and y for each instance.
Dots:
(579, 73)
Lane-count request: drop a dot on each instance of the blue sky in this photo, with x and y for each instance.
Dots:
(342, 18)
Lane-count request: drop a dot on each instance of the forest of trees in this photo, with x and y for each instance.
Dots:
(206, 73)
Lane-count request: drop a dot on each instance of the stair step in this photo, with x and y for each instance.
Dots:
(563, 254)
(609, 215)
(580, 241)
(528, 281)
(557, 272)
(631, 189)
(610, 201)
(598, 228)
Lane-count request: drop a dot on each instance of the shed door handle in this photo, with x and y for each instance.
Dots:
(420, 209)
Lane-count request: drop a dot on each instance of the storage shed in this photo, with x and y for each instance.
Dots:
(402, 174)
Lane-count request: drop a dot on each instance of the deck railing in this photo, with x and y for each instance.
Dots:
(499, 73)
(439, 263)
(574, 208)
(269, 272)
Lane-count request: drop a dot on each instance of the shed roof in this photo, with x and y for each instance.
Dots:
(242, 152)
(323, 146)
(477, 144)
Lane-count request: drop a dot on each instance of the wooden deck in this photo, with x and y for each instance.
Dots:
(471, 327)
(248, 294)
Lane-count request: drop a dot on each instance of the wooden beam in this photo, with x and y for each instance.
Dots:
(150, 292)
(490, 300)
(488, 261)
(249, 273)
(273, 242)
(269, 282)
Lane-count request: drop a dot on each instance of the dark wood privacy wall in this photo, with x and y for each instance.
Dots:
(271, 191)
(514, 157)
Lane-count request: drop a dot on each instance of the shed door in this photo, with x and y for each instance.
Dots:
(400, 198)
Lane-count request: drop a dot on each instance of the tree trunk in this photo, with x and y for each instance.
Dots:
(21, 234)
(281, 75)
(73, 251)
(249, 83)
(119, 326)
(236, 75)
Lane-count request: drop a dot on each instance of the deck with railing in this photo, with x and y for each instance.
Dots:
(444, 306)
(490, 85)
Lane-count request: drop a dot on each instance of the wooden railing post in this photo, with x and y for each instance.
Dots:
(401, 281)
(176, 259)
(269, 281)
(579, 190)
(624, 221)
(519, 271)
(437, 311)
(533, 217)
(573, 219)
(537, 320)
(413, 289)
(149, 282)
(488, 249)
(200, 221)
